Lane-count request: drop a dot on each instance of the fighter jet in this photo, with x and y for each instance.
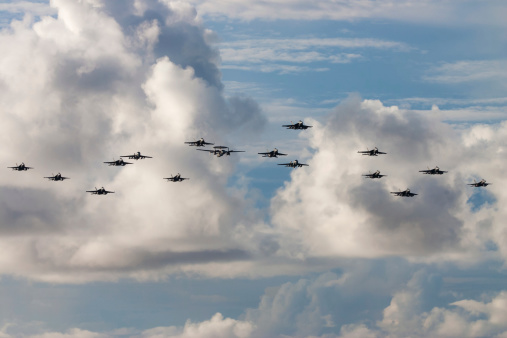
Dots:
(220, 151)
(118, 163)
(136, 156)
(405, 193)
(176, 178)
(100, 191)
(296, 126)
(57, 177)
(376, 174)
(434, 171)
(199, 143)
(481, 183)
(294, 164)
(21, 167)
(272, 153)
(373, 152)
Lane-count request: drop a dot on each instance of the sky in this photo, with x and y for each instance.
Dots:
(246, 248)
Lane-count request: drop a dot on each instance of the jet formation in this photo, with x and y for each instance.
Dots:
(220, 151)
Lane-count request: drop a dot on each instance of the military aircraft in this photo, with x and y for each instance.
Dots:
(373, 152)
(100, 191)
(481, 183)
(21, 167)
(199, 143)
(294, 164)
(296, 126)
(272, 153)
(220, 151)
(405, 193)
(176, 178)
(434, 171)
(118, 163)
(136, 156)
(376, 174)
(57, 177)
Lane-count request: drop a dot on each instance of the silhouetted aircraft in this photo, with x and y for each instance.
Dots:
(57, 177)
(100, 191)
(373, 152)
(405, 193)
(21, 167)
(376, 174)
(118, 163)
(481, 183)
(220, 151)
(294, 164)
(295, 126)
(136, 156)
(199, 143)
(176, 178)
(272, 153)
(434, 171)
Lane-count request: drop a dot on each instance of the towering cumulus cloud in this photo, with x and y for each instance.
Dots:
(98, 81)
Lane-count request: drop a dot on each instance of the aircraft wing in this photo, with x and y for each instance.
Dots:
(111, 163)
(380, 152)
(236, 151)
(209, 151)
(92, 191)
(192, 143)
(305, 126)
(302, 165)
(425, 171)
(285, 164)
(109, 192)
(365, 152)
(280, 154)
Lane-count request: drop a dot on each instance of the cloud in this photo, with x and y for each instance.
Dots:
(97, 82)
(271, 55)
(432, 11)
(469, 71)
(329, 210)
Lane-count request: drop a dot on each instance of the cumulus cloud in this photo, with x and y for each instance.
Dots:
(91, 84)
(329, 209)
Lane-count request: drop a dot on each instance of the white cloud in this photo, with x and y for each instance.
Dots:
(469, 71)
(329, 210)
(271, 55)
(430, 11)
(80, 91)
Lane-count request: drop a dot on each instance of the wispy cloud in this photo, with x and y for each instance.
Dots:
(429, 11)
(469, 71)
(274, 54)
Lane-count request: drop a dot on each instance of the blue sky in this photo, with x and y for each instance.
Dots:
(247, 248)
